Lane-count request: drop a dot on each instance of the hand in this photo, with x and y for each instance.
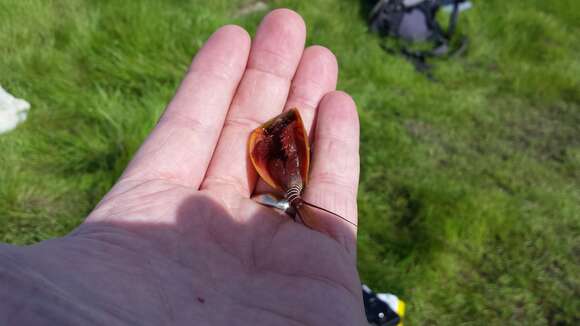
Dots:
(178, 241)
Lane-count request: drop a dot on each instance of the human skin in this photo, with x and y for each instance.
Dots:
(178, 241)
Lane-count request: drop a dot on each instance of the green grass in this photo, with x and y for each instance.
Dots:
(470, 189)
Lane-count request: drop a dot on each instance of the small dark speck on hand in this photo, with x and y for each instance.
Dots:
(201, 300)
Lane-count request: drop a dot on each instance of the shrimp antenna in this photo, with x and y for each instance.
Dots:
(329, 212)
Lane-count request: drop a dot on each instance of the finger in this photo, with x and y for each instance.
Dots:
(335, 167)
(180, 147)
(274, 56)
(316, 75)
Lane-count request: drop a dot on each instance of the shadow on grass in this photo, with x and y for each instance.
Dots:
(411, 235)
(365, 8)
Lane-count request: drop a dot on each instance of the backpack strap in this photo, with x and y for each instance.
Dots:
(440, 37)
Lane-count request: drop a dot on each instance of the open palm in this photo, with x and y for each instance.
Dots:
(178, 241)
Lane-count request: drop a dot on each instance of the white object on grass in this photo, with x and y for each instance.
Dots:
(12, 111)
(252, 8)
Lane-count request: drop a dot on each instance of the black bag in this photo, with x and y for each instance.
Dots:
(414, 21)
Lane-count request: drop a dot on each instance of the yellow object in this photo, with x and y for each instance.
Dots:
(400, 311)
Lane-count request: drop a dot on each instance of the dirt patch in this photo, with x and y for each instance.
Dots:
(419, 129)
(424, 132)
(547, 134)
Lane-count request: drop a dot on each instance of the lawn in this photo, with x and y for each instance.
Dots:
(470, 187)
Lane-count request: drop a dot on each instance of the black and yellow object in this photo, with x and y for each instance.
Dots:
(383, 309)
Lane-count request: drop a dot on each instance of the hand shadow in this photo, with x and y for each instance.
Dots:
(207, 265)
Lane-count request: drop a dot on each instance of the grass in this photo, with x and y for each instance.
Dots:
(470, 186)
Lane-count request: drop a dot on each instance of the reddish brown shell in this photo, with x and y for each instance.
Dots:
(280, 152)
